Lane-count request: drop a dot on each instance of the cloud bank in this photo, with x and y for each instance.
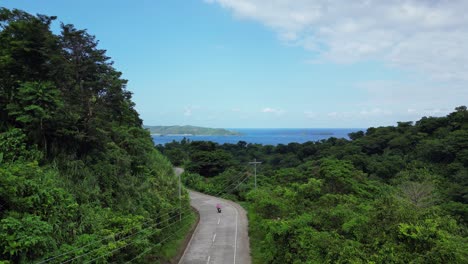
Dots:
(272, 110)
(426, 36)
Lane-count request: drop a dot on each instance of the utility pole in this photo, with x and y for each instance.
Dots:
(180, 198)
(255, 162)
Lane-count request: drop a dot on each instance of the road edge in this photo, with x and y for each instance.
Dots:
(188, 242)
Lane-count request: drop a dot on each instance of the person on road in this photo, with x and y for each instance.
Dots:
(218, 207)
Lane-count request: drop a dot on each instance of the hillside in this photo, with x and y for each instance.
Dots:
(396, 194)
(190, 130)
(80, 179)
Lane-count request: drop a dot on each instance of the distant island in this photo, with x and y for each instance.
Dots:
(189, 131)
(323, 134)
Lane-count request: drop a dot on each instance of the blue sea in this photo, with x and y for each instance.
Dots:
(266, 136)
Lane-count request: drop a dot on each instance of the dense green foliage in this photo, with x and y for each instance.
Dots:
(190, 130)
(388, 195)
(80, 179)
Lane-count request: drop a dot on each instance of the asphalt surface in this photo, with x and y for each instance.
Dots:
(219, 237)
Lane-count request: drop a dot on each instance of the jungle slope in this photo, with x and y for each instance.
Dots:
(396, 194)
(80, 179)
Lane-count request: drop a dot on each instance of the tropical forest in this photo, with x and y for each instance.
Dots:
(395, 194)
(80, 179)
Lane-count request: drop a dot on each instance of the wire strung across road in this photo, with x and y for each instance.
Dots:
(109, 237)
(124, 238)
(151, 248)
(126, 245)
(147, 250)
(229, 185)
(241, 182)
(117, 249)
(140, 231)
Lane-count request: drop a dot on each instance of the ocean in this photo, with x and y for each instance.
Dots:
(266, 136)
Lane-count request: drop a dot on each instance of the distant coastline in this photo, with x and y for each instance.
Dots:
(172, 135)
(264, 136)
(179, 131)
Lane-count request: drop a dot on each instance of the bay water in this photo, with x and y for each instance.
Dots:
(265, 136)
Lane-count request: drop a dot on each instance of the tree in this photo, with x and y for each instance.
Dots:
(356, 135)
(339, 176)
(29, 52)
(13, 147)
(419, 194)
(209, 163)
(33, 107)
(76, 166)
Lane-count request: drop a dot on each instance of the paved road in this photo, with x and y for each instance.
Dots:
(219, 238)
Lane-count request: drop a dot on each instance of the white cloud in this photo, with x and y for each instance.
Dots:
(425, 36)
(412, 94)
(272, 110)
(429, 112)
(375, 112)
(310, 114)
(365, 113)
(188, 110)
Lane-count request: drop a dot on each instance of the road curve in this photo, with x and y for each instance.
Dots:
(219, 238)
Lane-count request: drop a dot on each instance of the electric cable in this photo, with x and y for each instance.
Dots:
(82, 255)
(146, 251)
(151, 248)
(105, 238)
(126, 245)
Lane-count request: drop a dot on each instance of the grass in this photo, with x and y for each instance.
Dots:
(173, 247)
(176, 245)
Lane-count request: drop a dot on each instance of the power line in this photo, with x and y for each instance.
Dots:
(107, 237)
(220, 192)
(241, 182)
(151, 248)
(126, 237)
(146, 251)
(79, 256)
(111, 236)
(126, 245)
(245, 178)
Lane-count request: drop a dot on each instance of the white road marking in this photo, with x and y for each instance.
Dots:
(235, 239)
(214, 237)
(197, 231)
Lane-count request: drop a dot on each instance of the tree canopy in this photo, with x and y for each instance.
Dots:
(80, 179)
(395, 194)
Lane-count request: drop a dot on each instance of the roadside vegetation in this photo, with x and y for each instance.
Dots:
(394, 194)
(80, 179)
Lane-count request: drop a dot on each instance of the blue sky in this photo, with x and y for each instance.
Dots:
(258, 63)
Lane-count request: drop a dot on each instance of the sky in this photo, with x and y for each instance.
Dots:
(279, 63)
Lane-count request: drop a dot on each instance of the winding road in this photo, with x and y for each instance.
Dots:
(219, 237)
